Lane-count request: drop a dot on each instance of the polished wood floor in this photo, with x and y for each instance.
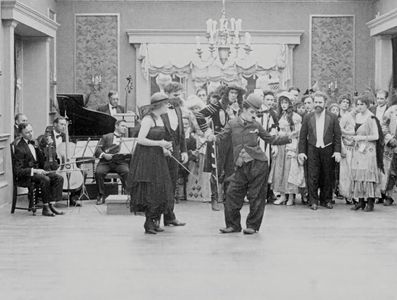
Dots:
(298, 254)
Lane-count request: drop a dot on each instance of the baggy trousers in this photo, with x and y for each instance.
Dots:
(248, 180)
(320, 174)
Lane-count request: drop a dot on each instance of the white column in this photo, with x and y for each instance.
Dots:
(8, 76)
(142, 83)
(383, 61)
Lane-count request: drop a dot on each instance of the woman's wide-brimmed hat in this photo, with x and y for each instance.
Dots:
(158, 97)
(236, 87)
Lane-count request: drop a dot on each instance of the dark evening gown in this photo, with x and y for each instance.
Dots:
(149, 181)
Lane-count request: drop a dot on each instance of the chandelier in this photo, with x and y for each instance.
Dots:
(224, 35)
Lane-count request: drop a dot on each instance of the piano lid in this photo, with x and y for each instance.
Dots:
(84, 122)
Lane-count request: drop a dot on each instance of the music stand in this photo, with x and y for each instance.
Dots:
(83, 147)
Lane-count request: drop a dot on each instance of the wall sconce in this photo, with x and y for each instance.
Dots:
(96, 82)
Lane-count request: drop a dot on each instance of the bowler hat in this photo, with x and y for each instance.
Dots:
(254, 100)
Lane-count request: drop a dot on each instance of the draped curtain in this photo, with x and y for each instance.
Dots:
(267, 62)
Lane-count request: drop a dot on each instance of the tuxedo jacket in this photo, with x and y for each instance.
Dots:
(105, 109)
(25, 161)
(177, 137)
(374, 107)
(106, 143)
(331, 135)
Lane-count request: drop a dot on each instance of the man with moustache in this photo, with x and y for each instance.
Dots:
(19, 119)
(113, 106)
(251, 167)
(320, 145)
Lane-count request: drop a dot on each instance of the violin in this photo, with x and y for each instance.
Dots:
(48, 147)
(72, 175)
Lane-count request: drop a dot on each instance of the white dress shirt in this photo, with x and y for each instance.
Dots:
(172, 116)
(58, 138)
(113, 110)
(320, 123)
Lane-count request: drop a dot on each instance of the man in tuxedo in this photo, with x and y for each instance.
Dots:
(57, 131)
(320, 145)
(175, 133)
(113, 106)
(267, 117)
(19, 119)
(381, 105)
(110, 160)
(29, 164)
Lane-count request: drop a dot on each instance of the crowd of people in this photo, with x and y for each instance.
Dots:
(258, 147)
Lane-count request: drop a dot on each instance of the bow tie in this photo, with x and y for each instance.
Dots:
(116, 135)
(31, 142)
(114, 107)
(58, 136)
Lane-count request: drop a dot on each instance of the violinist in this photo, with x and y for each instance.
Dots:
(110, 160)
(29, 166)
(57, 131)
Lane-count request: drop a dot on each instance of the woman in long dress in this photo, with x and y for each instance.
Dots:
(367, 160)
(347, 125)
(289, 123)
(149, 181)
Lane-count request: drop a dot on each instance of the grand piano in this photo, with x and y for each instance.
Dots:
(84, 122)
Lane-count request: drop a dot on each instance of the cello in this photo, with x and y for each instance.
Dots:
(72, 176)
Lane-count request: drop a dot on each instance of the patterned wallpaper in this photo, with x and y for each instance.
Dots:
(332, 56)
(96, 54)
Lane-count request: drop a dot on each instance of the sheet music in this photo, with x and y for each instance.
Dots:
(127, 145)
(89, 151)
(129, 118)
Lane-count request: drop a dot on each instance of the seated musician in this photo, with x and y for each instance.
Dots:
(56, 134)
(29, 167)
(113, 106)
(110, 160)
(57, 130)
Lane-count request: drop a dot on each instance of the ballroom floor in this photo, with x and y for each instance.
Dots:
(298, 254)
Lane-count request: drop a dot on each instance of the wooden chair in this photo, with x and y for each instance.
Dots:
(32, 189)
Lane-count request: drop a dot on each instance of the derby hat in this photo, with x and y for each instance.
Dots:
(254, 100)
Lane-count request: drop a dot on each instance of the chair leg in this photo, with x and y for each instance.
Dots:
(14, 200)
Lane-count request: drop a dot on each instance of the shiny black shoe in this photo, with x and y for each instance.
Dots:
(47, 212)
(174, 223)
(100, 200)
(327, 205)
(249, 231)
(229, 230)
(388, 201)
(359, 205)
(55, 211)
(313, 206)
(150, 231)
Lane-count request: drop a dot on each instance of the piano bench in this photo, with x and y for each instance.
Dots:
(115, 178)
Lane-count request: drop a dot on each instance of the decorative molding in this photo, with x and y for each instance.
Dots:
(17, 11)
(332, 67)
(187, 36)
(96, 52)
(4, 137)
(384, 23)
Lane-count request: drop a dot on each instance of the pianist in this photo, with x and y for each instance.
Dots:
(113, 106)
(110, 159)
